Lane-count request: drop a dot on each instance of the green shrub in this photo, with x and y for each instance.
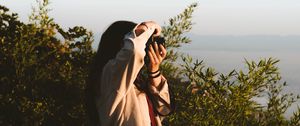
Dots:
(205, 97)
(43, 69)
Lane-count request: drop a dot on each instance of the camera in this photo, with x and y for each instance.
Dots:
(158, 39)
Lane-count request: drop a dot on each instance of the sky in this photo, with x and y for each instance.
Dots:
(244, 28)
(212, 17)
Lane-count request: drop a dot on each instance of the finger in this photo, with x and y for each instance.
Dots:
(157, 30)
(156, 26)
(140, 29)
(153, 54)
(157, 52)
(163, 51)
(150, 57)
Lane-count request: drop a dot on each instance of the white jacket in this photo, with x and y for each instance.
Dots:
(120, 102)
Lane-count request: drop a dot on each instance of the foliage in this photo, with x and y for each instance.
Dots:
(174, 35)
(210, 98)
(43, 69)
(43, 72)
(174, 31)
(205, 97)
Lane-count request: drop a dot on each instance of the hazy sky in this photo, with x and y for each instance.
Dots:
(212, 17)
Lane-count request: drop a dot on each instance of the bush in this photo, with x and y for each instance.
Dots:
(205, 97)
(209, 98)
(43, 69)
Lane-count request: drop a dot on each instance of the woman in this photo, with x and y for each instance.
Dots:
(116, 89)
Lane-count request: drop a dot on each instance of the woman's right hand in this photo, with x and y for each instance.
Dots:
(146, 25)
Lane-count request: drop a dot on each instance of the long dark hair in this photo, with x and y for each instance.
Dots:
(110, 44)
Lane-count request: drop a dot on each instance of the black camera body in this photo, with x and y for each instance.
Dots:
(158, 39)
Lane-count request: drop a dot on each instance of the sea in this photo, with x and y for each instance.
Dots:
(226, 53)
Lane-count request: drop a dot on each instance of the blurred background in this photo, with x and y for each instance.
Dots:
(223, 35)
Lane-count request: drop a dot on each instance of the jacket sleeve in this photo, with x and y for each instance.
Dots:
(119, 73)
(161, 97)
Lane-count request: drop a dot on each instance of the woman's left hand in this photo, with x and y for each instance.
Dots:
(157, 53)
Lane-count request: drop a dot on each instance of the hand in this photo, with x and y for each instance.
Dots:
(156, 53)
(152, 24)
(149, 24)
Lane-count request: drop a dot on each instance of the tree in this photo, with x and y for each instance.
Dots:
(206, 97)
(210, 98)
(43, 70)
